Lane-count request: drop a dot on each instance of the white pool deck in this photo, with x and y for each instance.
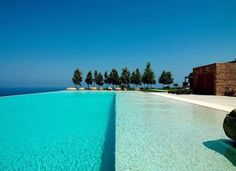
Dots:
(223, 103)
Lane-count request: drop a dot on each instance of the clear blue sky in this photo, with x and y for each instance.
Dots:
(42, 42)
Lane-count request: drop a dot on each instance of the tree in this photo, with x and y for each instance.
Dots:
(132, 78)
(99, 80)
(148, 75)
(95, 77)
(77, 77)
(89, 78)
(138, 78)
(125, 77)
(114, 77)
(166, 78)
(106, 78)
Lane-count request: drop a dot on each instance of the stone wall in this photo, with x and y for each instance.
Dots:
(200, 79)
(214, 78)
(225, 77)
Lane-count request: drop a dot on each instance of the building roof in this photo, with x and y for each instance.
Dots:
(234, 61)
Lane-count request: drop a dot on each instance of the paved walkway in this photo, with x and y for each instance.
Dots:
(223, 103)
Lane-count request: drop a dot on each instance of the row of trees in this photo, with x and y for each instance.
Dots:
(135, 78)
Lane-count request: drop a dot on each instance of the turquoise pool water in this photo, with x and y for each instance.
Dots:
(110, 131)
(56, 131)
(156, 133)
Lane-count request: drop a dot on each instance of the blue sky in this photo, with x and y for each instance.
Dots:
(42, 42)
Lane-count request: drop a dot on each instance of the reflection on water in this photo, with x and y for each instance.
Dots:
(224, 147)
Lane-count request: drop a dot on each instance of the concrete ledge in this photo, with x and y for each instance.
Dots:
(216, 102)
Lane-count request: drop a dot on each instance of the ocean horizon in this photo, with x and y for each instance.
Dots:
(8, 91)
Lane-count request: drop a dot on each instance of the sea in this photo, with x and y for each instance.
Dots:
(8, 91)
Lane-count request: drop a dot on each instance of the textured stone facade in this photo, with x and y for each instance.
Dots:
(217, 78)
(225, 77)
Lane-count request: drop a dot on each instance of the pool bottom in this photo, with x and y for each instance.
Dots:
(156, 133)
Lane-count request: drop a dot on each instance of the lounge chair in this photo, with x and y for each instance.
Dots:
(71, 89)
(92, 88)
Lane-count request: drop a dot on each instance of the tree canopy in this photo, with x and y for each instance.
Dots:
(77, 77)
(148, 75)
(106, 78)
(99, 80)
(114, 77)
(138, 77)
(125, 77)
(95, 75)
(132, 78)
(89, 78)
(166, 78)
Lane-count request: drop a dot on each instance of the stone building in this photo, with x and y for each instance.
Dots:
(215, 79)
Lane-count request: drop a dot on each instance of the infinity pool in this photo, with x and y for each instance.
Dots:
(110, 131)
(56, 131)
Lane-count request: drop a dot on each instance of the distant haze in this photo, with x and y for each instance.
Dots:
(42, 42)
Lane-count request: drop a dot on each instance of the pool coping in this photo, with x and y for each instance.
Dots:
(197, 102)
